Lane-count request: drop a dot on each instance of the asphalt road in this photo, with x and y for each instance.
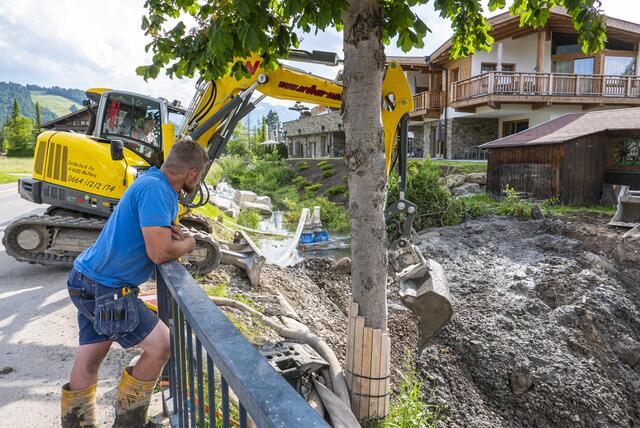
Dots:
(38, 335)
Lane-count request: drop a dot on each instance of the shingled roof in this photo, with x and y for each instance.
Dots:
(570, 126)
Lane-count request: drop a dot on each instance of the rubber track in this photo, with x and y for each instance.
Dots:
(9, 240)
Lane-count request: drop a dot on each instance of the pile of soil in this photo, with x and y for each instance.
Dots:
(320, 296)
(547, 324)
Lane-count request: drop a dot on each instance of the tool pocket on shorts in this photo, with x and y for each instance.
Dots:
(115, 314)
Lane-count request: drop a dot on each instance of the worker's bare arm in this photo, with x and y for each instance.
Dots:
(162, 246)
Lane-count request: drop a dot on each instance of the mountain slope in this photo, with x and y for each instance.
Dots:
(54, 101)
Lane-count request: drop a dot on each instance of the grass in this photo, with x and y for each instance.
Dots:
(410, 408)
(327, 173)
(57, 104)
(7, 178)
(462, 167)
(16, 165)
(249, 218)
(338, 189)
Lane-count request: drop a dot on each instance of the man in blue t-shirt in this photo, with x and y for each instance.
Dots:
(103, 286)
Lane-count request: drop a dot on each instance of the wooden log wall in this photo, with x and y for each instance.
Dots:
(532, 170)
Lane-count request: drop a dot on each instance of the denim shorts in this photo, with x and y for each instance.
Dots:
(84, 291)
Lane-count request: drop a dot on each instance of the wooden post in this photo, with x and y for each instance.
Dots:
(550, 83)
(577, 76)
(638, 59)
(368, 368)
(542, 35)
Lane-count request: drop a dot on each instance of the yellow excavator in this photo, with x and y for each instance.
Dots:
(82, 176)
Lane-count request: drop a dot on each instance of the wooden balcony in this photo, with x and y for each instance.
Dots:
(544, 89)
(428, 104)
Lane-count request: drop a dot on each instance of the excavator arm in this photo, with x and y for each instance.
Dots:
(218, 106)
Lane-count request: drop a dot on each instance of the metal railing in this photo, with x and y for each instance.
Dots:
(551, 84)
(216, 377)
(428, 100)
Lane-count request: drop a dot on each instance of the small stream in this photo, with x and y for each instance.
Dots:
(274, 247)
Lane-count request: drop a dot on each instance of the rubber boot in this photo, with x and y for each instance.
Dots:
(78, 408)
(132, 400)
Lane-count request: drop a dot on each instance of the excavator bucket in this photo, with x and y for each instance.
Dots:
(244, 253)
(628, 213)
(423, 288)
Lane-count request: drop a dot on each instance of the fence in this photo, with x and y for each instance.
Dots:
(428, 100)
(206, 346)
(553, 84)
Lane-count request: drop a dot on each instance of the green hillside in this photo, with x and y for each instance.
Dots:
(56, 103)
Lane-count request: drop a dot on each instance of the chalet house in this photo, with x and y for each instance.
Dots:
(77, 121)
(530, 76)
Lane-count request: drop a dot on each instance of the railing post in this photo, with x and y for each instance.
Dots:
(491, 84)
(521, 83)
(577, 80)
(550, 84)
(628, 88)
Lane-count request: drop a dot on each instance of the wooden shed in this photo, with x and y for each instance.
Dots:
(570, 158)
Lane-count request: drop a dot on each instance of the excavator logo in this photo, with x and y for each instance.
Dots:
(251, 68)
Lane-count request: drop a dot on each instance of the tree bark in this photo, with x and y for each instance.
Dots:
(364, 155)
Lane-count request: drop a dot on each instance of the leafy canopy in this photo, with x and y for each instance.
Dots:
(204, 37)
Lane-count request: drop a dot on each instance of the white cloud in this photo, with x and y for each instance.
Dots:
(88, 43)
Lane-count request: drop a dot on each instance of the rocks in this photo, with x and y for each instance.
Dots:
(467, 189)
(342, 266)
(476, 177)
(461, 185)
(232, 201)
(521, 378)
(536, 212)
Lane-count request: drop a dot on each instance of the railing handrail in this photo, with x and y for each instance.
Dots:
(267, 397)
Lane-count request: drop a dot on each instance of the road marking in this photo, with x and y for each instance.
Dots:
(2, 192)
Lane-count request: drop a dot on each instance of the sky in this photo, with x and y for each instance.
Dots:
(92, 43)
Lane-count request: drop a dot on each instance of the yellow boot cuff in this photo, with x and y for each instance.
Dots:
(133, 391)
(79, 405)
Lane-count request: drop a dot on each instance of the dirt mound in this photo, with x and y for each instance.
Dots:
(547, 324)
(320, 296)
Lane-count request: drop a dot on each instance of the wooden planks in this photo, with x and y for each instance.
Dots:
(368, 367)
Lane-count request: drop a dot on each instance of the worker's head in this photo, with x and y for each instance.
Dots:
(186, 160)
(148, 125)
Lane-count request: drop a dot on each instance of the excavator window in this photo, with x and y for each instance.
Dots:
(136, 120)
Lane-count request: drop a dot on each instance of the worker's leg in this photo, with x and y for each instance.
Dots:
(156, 353)
(85, 368)
(137, 383)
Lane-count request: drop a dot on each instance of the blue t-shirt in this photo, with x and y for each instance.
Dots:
(119, 258)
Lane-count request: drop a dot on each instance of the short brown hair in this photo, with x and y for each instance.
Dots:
(185, 155)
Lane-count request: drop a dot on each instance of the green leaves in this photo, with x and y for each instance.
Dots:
(228, 29)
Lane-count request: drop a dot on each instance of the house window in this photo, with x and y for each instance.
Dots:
(487, 67)
(574, 65)
(620, 66)
(455, 75)
(510, 127)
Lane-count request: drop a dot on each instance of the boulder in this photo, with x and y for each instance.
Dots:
(244, 196)
(454, 180)
(225, 190)
(265, 210)
(342, 266)
(264, 200)
(467, 189)
(536, 212)
(476, 177)
(225, 205)
(521, 378)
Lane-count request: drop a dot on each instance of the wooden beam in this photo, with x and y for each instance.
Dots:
(493, 105)
(536, 106)
(466, 109)
(540, 53)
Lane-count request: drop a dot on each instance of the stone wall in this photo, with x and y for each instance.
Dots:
(466, 134)
(315, 136)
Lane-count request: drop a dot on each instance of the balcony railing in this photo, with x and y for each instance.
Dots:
(429, 100)
(545, 84)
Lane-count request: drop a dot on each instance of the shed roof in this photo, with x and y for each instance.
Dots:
(570, 126)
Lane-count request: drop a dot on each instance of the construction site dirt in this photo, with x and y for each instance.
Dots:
(546, 330)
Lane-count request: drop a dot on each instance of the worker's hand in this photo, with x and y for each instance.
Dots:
(193, 243)
(176, 232)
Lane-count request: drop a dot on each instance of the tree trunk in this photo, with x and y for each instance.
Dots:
(363, 73)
